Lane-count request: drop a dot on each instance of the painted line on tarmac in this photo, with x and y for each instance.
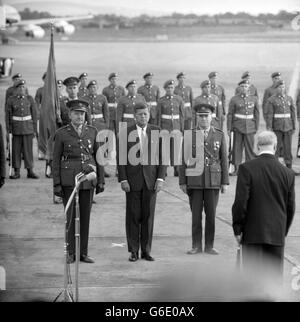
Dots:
(287, 257)
(294, 81)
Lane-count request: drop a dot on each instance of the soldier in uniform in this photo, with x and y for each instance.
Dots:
(203, 189)
(270, 91)
(281, 118)
(98, 109)
(83, 91)
(151, 94)
(170, 109)
(252, 89)
(38, 100)
(219, 91)
(71, 84)
(125, 107)
(75, 149)
(207, 98)
(186, 93)
(243, 120)
(11, 91)
(113, 92)
(22, 123)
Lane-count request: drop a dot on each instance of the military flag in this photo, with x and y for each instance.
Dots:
(49, 106)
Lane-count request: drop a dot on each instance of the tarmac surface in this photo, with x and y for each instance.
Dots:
(32, 227)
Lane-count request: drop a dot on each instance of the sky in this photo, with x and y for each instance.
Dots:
(158, 7)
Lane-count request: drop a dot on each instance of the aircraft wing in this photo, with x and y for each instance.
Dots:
(45, 21)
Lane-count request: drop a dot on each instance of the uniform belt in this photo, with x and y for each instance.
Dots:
(152, 103)
(83, 157)
(97, 116)
(170, 117)
(244, 116)
(128, 116)
(187, 104)
(282, 116)
(22, 118)
(213, 115)
(112, 104)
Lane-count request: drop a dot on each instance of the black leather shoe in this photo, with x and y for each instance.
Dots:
(71, 259)
(86, 259)
(133, 257)
(147, 257)
(15, 176)
(194, 250)
(32, 175)
(211, 251)
(106, 175)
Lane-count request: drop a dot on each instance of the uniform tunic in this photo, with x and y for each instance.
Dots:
(21, 121)
(203, 189)
(72, 153)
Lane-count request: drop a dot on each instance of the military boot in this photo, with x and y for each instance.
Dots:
(31, 174)
(16, 175)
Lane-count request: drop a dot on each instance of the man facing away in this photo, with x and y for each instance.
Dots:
(263, 209)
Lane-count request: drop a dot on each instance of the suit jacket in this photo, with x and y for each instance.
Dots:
(72, 153)
(136, 174)
(264, 203)
(2, 155)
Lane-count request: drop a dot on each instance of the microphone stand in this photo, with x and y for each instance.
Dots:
(68, 296)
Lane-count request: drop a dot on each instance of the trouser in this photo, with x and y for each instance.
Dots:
(85, 206)
(284, 141)
(188, 124)
(22, 144)
(140, 208)
(263, 260)
(207, 199)
(241, 141)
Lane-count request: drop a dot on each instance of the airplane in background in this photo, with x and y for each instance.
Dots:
(10, 21)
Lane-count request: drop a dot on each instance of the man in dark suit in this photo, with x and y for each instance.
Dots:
(75, 150)
(263, 209)
(141, 175)
(2, 159)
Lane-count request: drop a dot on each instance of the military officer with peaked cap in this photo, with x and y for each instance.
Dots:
(270, 91)
(203, 187)
(170, 110)
(243, 120)
(125, 107)
(219, 91)
(21, 122)
(113, 92)
(186, 93)
(151, 94)
(75, 149)
(281, 118)
(207, 98)
(252, 89)
(71, 84)
(83, 90)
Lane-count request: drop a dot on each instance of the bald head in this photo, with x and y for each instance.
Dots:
(266, 142)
